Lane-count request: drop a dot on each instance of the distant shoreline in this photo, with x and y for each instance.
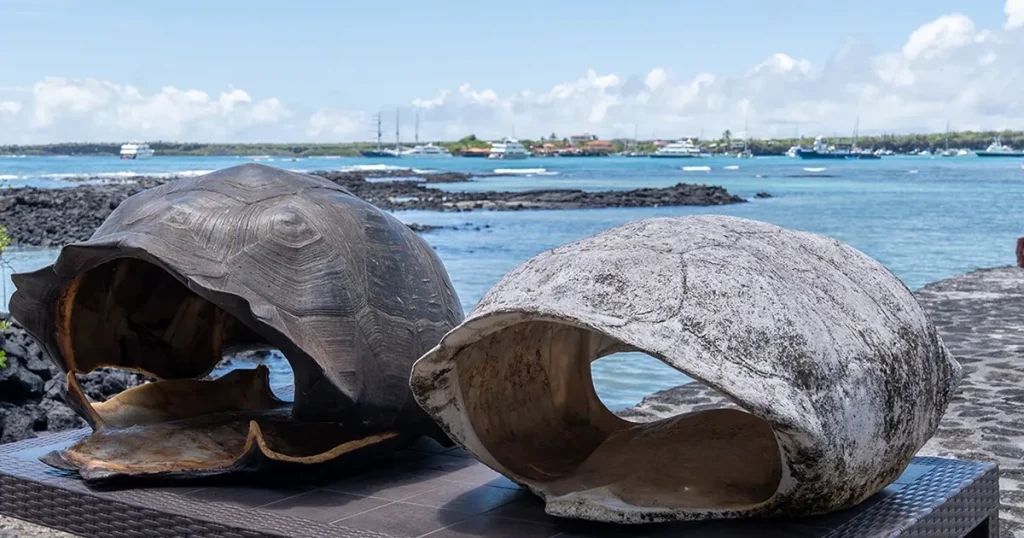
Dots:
(901, 144)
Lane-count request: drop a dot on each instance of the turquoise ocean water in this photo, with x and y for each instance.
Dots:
(924, 218)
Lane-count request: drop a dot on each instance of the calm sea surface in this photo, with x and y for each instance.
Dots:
(924, 218)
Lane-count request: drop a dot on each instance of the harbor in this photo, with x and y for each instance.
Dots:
(857, 147)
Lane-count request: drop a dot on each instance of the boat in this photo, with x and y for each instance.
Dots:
(136, 151)
(422, 151)
(858, 153)
(425, 151)
(948, 152)
(679, 150)
(633, 150)
(997, 149)
(821, 150)
(745, 153)
(380, 151)
(384, 153)
(508, 148)
(793, 150)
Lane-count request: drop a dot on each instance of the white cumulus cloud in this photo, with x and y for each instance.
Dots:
(336, 124)
(10, 107)
(1014, 10)
(92, 109)
(946, 32)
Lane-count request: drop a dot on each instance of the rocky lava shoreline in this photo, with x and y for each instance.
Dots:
(54, 217)
(32, 388)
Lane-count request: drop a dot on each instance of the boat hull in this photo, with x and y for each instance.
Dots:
(656, 156)
(1017, 154)
(817, 155)
(507, 156)
(378, 154)
(813, 155)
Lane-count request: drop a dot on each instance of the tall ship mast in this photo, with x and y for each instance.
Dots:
(379, 133)
(380, 151)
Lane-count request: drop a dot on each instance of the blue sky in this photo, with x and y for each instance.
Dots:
(350, 59)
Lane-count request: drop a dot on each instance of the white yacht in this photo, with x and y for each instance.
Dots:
(998, 149)
(427, 151)
(686, 150)
(508, 148)
(136, 151)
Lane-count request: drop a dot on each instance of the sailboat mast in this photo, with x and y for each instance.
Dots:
(379, 133)
(856, 127)
(947, 135)
(417, 138)
(398, 141)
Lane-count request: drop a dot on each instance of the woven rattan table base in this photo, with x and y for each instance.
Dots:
(431, 490)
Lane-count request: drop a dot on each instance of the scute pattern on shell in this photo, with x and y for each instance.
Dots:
(819, 340)
(318, 272)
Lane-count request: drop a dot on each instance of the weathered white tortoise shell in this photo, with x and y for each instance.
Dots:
(842, 376)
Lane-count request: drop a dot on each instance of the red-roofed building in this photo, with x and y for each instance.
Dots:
(600, 146)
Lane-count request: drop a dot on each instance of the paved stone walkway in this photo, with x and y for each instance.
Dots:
(980, 316)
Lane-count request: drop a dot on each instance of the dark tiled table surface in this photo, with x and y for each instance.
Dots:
(430, 490)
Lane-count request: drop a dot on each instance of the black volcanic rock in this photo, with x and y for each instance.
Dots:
(56, 217)
(32, 388)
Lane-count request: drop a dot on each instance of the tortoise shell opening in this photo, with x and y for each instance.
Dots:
(131, 314)
(128, 313)
(530, 398)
